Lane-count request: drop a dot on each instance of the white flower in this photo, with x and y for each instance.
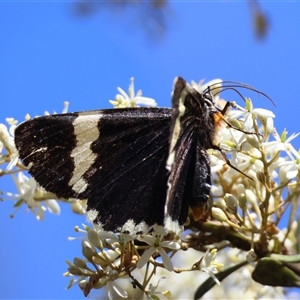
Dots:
(46, 113)
(247, 114)
(78, 206)
(209, 265)
(153, 288)
(26, 191)
(157, 245)
(282, 144)
(288, 169)
(7, 140)
(114, 290)
(115, 238)
(131, 99)
(214, 85)
(236, 141)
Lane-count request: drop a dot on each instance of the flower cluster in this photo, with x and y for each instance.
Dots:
(110, 257)
(131, 99)
(252, 193)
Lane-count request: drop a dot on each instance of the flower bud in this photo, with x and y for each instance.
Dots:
(88, 250)
(219, 214)
(94, 239)
(252, 139)
(79, 262)
(242, 201)
(231, 203)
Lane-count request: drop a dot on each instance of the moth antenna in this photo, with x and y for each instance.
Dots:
(233, 89)
(235, 85)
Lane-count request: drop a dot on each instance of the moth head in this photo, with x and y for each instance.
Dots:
(209, 99)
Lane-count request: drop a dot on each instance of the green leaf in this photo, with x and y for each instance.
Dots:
(272, 272)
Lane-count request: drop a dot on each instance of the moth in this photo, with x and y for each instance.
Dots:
(137, 167)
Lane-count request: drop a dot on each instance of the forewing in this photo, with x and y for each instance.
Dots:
(45, 145)
(180, 182)
(114, 158)
(135, 183)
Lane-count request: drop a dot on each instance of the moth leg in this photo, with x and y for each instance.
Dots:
(223, 112)
(215, 147)
(226, 107)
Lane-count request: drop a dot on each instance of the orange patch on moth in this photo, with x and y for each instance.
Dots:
(198, 212)
(219, 119)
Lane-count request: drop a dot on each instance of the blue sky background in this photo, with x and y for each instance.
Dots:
(49, 55)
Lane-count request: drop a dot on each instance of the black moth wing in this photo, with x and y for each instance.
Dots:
(115, 158)
(45, 145)
(189, 181)
(192, 133)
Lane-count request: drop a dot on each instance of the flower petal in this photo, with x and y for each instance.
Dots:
(166, 259)
(148, 239)
(170, 244)
(118, 289)
(145, 257)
